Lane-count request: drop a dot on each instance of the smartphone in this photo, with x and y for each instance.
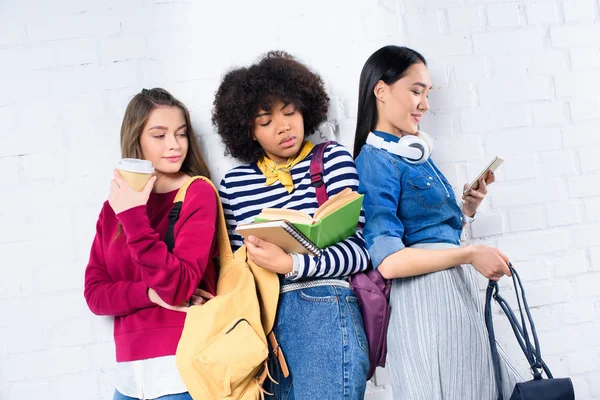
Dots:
(492, 166)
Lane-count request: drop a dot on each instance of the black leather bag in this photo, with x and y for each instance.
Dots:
(538, 388)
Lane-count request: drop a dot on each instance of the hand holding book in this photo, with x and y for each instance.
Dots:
(268, 255)
(297, 232)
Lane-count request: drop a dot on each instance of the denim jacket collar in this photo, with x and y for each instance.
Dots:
(388, 137)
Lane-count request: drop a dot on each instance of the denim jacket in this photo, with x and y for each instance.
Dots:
(404, 203)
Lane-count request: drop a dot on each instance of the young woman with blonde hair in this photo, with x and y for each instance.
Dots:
(131, 275)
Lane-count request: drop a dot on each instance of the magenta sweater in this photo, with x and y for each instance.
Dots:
(121, 269)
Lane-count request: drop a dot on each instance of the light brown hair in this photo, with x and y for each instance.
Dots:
(135, 118)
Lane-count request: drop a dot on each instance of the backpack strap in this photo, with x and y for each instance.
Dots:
(225, 252)
(317, 171)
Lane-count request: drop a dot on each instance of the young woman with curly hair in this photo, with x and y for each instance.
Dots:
(263, 114)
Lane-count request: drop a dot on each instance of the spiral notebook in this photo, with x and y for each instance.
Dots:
(281, 233)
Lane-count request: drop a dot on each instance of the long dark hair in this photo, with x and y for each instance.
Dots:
(388, 64)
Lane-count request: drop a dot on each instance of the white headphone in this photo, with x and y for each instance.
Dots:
(414, 149)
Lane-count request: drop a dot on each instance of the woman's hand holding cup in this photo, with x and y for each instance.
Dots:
(123, 197)
(132, 184)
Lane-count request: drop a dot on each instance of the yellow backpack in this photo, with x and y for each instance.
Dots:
(223, 350)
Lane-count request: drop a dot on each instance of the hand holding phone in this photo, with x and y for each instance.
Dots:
(491, 167)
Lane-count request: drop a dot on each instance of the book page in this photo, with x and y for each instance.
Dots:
(335, 203)
(294, 216)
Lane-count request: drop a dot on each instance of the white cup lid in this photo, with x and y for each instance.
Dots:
(136, 165)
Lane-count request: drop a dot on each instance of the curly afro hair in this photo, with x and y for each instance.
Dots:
(244, 91)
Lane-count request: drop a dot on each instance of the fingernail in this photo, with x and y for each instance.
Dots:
(251, 239)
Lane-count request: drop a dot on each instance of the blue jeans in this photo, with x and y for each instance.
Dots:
(178, 396)
(320, 331)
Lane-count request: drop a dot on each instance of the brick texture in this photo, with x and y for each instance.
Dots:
(519, 79)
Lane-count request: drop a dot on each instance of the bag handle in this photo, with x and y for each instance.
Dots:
(532, 351)
(317, 171)
(225, 252)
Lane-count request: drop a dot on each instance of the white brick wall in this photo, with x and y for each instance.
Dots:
(514, 78)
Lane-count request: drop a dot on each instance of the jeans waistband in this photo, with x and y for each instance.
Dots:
(309, 284)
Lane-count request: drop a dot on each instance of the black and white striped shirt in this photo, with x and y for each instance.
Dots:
(244, 194)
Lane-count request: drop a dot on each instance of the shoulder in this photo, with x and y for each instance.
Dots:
(375, 160)
(107, 220)
(238, 173)
(336, 151)
(337, 157)
(240, 179)
(106, 212)
(200, 193)
(378, 155)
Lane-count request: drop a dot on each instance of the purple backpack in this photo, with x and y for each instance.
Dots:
(371, 289)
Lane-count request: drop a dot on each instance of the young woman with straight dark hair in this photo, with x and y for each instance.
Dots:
(438, 348)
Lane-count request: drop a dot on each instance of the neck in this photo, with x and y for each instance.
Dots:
(169, 182)
(386, 127)
(276, 158)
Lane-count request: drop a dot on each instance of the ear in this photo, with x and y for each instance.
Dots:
(380, 90)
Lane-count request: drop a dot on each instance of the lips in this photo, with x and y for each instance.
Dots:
(417, 117)
(172, 159)
(288, 141)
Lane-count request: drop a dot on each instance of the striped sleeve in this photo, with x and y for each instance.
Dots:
(226, 197)
(350, 255)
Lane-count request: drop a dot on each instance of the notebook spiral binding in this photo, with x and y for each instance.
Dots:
(296, 234)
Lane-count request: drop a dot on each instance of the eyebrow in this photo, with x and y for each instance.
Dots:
(424, 86)
(164, 128)
(269, 113)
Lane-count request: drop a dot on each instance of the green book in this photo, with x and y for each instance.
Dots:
(334, 221)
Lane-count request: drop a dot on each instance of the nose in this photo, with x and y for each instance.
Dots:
(424, 105)
(172, 142)
(283, 124)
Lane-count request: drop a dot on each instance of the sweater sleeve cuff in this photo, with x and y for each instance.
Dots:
(134, 221)
(382, 247)
(137, 296)
(298, 267)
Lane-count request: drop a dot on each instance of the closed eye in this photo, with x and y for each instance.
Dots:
(265, 124)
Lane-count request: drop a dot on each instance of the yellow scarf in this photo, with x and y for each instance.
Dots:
(276, 172)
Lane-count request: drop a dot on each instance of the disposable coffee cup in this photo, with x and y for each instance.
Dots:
(136, 172)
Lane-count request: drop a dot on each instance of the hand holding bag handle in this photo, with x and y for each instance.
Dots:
(538, 388)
